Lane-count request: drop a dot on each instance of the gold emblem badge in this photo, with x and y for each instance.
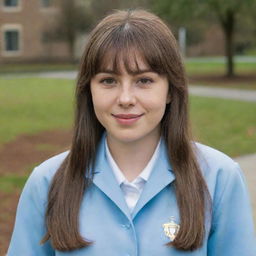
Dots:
(171, 229)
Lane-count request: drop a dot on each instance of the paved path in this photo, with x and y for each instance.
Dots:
(59, 74)
(248, 165)
(225, 93)
(51, 74)
(238, 59)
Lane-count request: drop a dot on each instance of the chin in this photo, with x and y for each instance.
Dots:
(127, 139)
(129, 136)
(125, 136)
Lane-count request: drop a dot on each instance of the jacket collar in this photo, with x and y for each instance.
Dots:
(104, 179)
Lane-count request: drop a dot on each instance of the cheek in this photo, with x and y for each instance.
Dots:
(102, 99)
(97, 105)
(99, 109)
(98, 100)
(157, 103)
(156, 110)
(161, 110)
(102, 109)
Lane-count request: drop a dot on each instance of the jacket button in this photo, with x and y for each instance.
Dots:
(126, 226)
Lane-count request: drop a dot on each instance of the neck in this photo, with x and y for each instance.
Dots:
(132, 157)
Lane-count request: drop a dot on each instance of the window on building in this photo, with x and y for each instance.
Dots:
(11, 40)
(46, 3)
(11, 3)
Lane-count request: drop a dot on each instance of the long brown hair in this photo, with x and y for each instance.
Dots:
(124, 33)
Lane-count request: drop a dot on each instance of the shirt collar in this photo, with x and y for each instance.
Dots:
(144, 175)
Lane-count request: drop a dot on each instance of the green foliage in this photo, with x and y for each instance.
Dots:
(102, 8)
(227, 13)
(175, 12)
(222, 8)
(74, 17)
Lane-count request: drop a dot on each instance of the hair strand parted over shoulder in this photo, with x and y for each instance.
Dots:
(120, 37)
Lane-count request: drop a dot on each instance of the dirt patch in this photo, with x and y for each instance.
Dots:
(16, 157)
(27, 150)
(7, 215)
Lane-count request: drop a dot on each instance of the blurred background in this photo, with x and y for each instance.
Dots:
(42, 41)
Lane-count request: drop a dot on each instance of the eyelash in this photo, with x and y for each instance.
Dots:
(148, 80)
(104, 81)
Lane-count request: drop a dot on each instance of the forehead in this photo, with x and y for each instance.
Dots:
(131, 62)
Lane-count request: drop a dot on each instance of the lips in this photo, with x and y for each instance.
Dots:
(127, 119)
(127, 116)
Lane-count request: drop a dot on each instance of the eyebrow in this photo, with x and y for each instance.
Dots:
(136, 72)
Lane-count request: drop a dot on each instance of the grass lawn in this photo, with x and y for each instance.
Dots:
(227, 125)
(210, 66)
(8, 183)
(36, 67)
(32, 105)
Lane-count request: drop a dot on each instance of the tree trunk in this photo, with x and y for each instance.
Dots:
(228, 28)
(71, 45)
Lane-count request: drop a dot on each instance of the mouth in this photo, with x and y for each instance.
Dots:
(127, 116)
(127, 119)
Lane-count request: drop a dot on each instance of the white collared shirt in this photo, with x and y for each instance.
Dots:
(132, 190)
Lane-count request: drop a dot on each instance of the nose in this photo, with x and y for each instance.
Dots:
(126, 97)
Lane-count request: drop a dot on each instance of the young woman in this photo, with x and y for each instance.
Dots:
(134, 182)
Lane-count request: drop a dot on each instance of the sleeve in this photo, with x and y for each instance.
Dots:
(29, 226)
(232, 230)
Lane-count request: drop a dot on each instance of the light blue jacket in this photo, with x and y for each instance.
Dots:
(105, 217)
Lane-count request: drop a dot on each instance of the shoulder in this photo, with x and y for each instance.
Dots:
(35, 192)
(219, 170)
(41, 176)
(212, 157)
(213, 161)
(51, 165)
(231, 204)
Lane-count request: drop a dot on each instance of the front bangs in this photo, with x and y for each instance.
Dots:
(124, 47)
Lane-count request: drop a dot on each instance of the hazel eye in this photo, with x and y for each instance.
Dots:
(108, 81)
(145, 80)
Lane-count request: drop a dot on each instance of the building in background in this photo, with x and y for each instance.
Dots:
(25, 26)
(30, 31)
